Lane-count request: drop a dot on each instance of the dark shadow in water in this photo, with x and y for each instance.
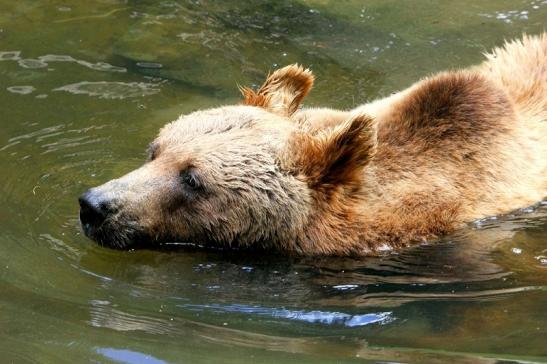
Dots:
(251, 39)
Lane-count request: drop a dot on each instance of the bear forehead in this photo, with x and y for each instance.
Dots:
(222, 120)
(225, 125)
(228, 129)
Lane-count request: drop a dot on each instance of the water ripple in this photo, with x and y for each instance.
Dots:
(314, 317)
(40, 132)
(22, 90)
(32, 63)
(99, 66)
(65, 143)
(43, 61)
(111, 90)
(103, 315)
(10, 56)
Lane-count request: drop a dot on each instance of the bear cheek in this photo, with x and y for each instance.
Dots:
(171, 214)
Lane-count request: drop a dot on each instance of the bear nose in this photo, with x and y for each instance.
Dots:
(94, 208)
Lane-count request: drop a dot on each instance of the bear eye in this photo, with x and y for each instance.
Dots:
(189, 179)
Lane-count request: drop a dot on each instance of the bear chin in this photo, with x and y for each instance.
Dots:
(118, 237)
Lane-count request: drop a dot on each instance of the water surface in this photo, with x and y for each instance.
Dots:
(85, 86)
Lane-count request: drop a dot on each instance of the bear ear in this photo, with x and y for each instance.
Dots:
(334, 156)
(283, 90)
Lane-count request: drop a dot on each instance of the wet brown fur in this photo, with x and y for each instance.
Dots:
(454, 147)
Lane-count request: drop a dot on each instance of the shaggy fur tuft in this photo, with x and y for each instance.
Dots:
(283, 90)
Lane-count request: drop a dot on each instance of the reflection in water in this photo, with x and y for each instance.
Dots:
(319, 317)
(104, 315)
(128, 356)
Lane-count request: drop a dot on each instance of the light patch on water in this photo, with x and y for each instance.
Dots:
(37, 133)
(111, 90)
(345, 287)
(204, 266)
(101, 277)
(154, 65)
(103, 314)
(43, 62)
(313, 317)
(56, 58)
(510, 16)
(31, 63)
(22, 90)
(58, 244)
(484, 222)
(128, 356)
(99, 66)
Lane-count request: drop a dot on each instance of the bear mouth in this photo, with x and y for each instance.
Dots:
(113, 235)
(130, 236)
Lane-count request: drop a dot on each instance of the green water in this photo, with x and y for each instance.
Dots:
(84, 86)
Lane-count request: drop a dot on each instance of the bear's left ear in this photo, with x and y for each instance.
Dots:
(283, 90)
(333, 156)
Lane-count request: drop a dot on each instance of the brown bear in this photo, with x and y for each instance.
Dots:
(266, 174)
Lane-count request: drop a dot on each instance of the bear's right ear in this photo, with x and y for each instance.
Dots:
(332, 157)
(283, 90)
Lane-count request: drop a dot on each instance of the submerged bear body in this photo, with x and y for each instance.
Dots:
(452, 148)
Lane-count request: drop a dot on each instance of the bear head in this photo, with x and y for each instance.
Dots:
(254, 175)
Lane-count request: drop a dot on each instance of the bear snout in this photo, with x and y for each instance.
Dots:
(95, 208)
